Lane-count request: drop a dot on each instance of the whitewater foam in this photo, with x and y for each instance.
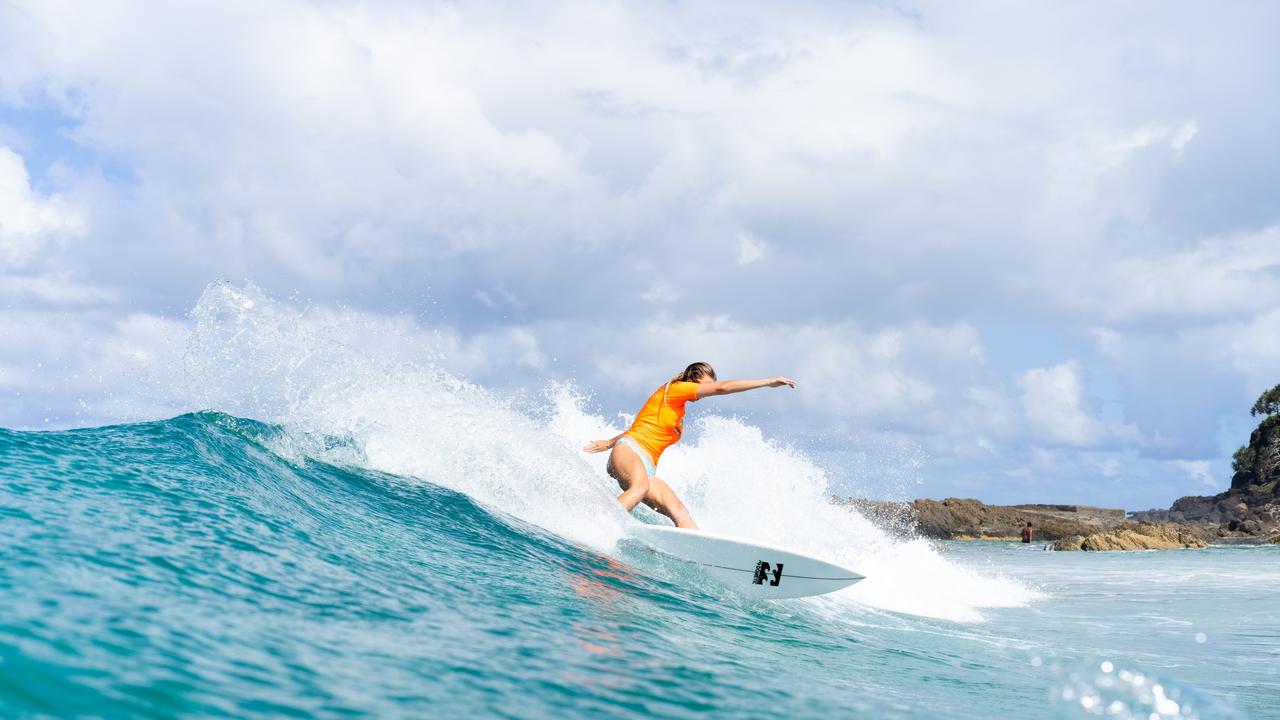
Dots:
(737, 482)
(378, 384)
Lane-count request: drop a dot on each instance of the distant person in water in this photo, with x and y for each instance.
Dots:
(1026, 533)
(658, 425)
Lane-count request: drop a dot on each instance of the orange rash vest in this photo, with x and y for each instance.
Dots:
(659, 424)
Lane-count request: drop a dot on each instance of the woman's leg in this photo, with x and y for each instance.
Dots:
(628, 469)
(663, 499)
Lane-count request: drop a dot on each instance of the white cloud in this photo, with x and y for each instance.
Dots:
(915, 378)
(1253, 350)
(1217, 279)
(28, 220)
(1200, 472)
(1111, 152)
(52, 290)
(488, 354)
(628, 133)
(499, 298)
(548, 182)
(1058, 411)
(750, 249)
(660, 291)
(1184, 135)
(89, 368)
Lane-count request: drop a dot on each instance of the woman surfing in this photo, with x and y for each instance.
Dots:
(658, 425)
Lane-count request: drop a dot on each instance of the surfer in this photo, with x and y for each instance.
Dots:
(658, 425)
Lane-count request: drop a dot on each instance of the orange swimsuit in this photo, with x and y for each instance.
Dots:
(660, 421)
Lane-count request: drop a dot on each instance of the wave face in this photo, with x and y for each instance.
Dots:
(383, 538)
(184, 567)
(378, 386)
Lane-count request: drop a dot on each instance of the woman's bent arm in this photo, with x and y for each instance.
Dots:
(727, 387)
(596, 446)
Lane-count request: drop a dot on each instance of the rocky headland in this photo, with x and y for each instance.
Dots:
(1251, 506)
(968, 519)
(1068, 527)
(1248, 512)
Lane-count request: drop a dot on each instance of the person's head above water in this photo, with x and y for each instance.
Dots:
(697, 372)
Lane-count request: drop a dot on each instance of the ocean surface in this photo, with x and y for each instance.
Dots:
(201, 566)
(356, 533)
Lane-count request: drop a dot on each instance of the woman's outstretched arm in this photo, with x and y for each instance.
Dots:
(726, 387)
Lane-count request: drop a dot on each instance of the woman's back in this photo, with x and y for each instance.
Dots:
(660, 421)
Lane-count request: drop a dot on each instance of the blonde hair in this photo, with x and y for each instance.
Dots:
(695, 372)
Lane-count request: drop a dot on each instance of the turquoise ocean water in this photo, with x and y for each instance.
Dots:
(190, 567)
(359, 533)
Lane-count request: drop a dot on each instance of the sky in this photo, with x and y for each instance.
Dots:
(1014, 251)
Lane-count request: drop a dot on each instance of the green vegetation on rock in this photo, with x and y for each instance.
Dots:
(1258, 463)
(1268, 403)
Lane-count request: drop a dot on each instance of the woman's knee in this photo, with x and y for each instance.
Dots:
(635, 486)
(661, 493)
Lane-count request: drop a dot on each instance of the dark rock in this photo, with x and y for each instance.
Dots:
(1250, 512)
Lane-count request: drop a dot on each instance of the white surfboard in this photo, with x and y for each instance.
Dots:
(751, 568)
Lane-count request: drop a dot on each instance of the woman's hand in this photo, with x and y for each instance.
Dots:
(596, 446)
(780, 381)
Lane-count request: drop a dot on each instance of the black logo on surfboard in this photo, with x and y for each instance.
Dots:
(762, 574)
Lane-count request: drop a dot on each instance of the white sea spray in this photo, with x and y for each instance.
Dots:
(376, 384)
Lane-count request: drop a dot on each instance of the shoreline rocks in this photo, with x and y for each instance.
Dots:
(1134, 536)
